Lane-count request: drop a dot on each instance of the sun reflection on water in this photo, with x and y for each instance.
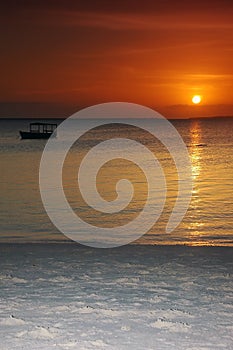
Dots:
(195, 150)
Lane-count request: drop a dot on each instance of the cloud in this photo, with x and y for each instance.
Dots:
(127, 6)
(123, 15)
(190, 111)
(208, 76)
(120, 21)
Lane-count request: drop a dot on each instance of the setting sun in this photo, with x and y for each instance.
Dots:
(196, 99)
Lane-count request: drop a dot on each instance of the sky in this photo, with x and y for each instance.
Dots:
(60, 56)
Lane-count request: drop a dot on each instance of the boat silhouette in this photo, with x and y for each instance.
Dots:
(39, 131)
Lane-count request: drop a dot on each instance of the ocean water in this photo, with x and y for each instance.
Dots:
(208, 220)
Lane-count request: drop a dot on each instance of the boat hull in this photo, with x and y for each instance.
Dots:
(36, 135)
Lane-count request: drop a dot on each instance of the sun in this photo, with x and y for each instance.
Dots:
(196, 99)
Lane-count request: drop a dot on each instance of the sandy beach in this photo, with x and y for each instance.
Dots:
(66, 296)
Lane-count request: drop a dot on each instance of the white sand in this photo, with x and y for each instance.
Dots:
(63, 296)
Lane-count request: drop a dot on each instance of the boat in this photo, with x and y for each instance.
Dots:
(39, 131)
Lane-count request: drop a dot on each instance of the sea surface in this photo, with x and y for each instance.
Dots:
(209, 218)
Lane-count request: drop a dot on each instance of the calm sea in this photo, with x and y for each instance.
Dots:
(208, 221)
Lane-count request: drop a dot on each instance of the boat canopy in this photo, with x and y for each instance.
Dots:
(42, 127)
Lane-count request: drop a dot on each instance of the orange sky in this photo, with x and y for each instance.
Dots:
(58, 56)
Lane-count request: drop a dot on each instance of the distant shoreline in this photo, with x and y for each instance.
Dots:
(132, 245)
(59, 118)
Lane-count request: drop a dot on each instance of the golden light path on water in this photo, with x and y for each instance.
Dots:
(195, 151)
